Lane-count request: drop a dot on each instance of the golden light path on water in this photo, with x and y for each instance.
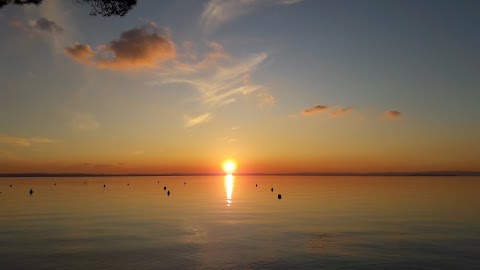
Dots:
(229, 182)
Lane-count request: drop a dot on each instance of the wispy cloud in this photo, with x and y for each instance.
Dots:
(17, 24)
(334, 111)
(83, 121)
(392, 114)
(24, 142)
(142, 47)
(341, 111)
(338, 111)
(265, 99)
(47, 25)
(197, 120)
(188, 59)
(315, 109)
(222, 83)
(37, 26)
(80, 52)
(218, 77)
(220, 12)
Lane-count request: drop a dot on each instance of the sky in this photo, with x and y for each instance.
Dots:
(278, 86)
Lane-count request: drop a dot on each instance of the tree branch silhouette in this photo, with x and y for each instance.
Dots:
(105, 8)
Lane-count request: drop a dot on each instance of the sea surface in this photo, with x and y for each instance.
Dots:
(227, 222)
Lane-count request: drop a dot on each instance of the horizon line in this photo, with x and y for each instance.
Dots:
(387, 173)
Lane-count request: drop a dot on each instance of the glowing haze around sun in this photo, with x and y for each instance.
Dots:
(229, 166)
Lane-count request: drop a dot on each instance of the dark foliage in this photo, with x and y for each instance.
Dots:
(20, 2)
(108, 8)
(105, 8)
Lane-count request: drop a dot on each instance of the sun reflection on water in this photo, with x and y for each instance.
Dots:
(229, 182)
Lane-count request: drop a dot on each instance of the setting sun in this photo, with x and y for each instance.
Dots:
(229, 166)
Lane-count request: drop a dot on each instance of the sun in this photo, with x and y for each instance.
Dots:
(229, 166)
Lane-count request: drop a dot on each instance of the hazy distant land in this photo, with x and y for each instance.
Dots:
(421, 173)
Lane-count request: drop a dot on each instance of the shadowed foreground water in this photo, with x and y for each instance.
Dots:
(229, 223)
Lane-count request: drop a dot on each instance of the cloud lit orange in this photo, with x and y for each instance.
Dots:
(315, 109)
(141, 47)
(393, 114)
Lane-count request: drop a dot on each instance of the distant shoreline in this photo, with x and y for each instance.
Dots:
(433, 173)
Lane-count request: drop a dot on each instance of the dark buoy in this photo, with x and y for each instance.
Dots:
(10, 185)
(128, 184)
(279, 196)
(272, 189)
(54, 184)
(164, 188)
(168, 193)
(31, 191)
(158, 182)
(184, 183)
(103, 185)
(256, 185)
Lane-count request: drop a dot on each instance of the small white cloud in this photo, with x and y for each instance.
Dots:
(265, 99)
(201, 119)
(220, 12)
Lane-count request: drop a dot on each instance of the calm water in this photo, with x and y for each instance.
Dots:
(228, 223)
